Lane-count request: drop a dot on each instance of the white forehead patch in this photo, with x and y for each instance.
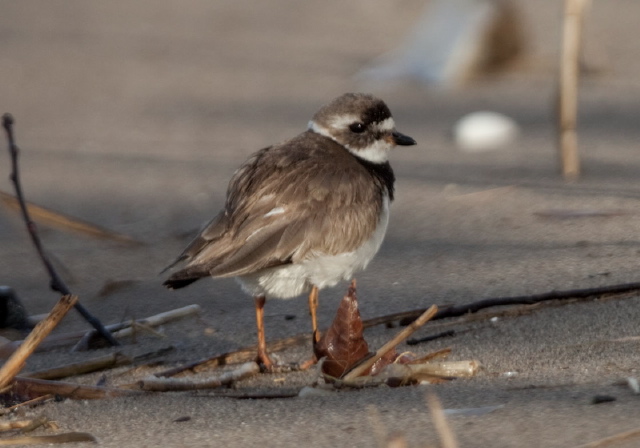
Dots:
(386, 125)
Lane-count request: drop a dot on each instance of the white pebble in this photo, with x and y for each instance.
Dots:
(484, 131)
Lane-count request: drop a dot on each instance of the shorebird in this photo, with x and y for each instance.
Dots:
(304, 214)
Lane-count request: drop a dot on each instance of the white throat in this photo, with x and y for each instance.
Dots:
(377, 152)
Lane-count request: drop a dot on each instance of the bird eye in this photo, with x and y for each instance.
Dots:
(358, 128)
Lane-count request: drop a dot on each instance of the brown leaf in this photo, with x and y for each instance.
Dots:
(343, 343)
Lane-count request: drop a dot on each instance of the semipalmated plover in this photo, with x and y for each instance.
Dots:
(304, 214)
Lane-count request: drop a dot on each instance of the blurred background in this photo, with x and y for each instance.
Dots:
(134, 114)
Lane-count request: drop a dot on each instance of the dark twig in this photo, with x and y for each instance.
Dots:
(473, 307)
(56, 282)
(432, 337)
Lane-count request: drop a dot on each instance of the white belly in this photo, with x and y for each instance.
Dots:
(321, 270)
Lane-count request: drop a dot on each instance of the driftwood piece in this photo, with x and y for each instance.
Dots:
(17, 361)
(404, 334)
(397, 374)
(30, 388)
(175, 384)
(68, 437)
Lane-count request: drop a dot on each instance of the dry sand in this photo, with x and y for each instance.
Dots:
(133, 115)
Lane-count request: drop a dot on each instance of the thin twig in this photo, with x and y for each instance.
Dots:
(431, 337)
(154, 383)
(16, 362)
(404, 334)
(56, 283)
(245, 354)
(33, 402)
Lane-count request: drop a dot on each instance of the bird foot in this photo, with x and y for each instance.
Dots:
(275, 367)
(267, 365)
(305, 365)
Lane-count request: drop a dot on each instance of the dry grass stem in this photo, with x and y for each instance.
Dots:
(401, 336)
(379, 429)
(69, 437)
(51, 218)
(612, 439)
(18, 359)
(396, 440)
(24, 425)
(569, 77)
(447, 438)
(29, 388)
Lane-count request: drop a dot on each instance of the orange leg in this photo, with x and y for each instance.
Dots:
(313, 307)
(263, 356)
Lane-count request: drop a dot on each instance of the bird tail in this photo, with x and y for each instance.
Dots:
(177, 283)
(186, 276)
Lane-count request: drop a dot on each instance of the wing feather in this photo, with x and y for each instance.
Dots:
(326, 208)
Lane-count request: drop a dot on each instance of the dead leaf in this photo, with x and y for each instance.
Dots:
(343, 344)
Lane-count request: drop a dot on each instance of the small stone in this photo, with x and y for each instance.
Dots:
(598, 399)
